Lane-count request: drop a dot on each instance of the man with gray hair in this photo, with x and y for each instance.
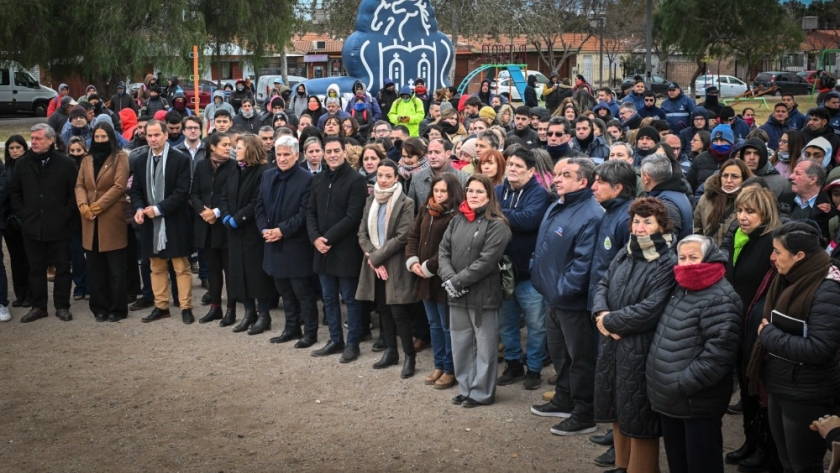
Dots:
(485, 141)
(630, 119)
(659, 180)
(42, 196)
(561, 273)
(807, 200)
(333, 105)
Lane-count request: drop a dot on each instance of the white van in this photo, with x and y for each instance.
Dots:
(20, 92)
(504, 86)
(266, 83)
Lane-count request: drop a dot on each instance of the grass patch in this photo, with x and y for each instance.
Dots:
(15, 127)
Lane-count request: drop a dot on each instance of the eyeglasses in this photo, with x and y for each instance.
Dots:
(192, 128)
(727, 175)
(783, 142)
(555, 133)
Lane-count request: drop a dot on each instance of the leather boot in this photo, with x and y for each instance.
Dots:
(408, 367)
(389, 358)
(734, 457)
(263, 323)
(759, 461)
(215, 313)
(247, 321)
(229, 318)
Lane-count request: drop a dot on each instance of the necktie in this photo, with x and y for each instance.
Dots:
(157, 160)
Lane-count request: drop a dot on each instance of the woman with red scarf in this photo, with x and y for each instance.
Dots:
(692, 356)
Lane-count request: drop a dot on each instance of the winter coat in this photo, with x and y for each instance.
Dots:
(652, 111)
(469, 256)
(174, 206)
(705, 206)
(740, 129)
(200, 153)
(774, 130)
(637, 99)
(335, 208)
(693, 353)
(777, 184)
(812, 213)
(372, 106)
(236, 98)
(251, 125)
(687, 133)
(554, 97)
(798, 120)
(672, 193)
(524, 209)
(598, 149)
(677, 112)
(565, 246)
(107, 189)
(43, 197)
(246, 245)
(69, 131)
(613, 235)
(154, 105)
(421, 183)
(298, 104)
(208, 184)
(413, 109)
(399, 287)
(365, 119)
(58, 120)
(528, 136)
(530, 97)
(387, 98)
(423, 247)
(745, 273)
(809, 372)
(213, 107)
(282, 204)
(634, 292)
(55, 102)
(119, 102)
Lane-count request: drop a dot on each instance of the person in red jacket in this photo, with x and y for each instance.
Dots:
(55, 103)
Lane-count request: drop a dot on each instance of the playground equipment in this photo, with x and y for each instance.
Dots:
(821, 66)
(517, 77)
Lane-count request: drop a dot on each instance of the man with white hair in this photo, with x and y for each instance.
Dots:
(281, 217)
(333, 105)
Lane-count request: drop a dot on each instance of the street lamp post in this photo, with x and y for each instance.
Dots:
(597, 20)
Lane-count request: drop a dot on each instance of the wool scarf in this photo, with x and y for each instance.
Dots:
(791, 294)
(406, 171)
(467, 211)
(155, 188)
(649, 247)
(696, 277)
(387, 197)
(435, 209)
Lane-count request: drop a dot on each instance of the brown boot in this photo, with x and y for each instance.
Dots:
(446, 381)
(430, 380)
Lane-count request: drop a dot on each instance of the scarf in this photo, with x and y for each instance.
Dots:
(155, 187)
(750, 121)
(278, 190)
(217, 161)
(435, 209)
(791, 294)
(649, 247)
(407, 171)
(584, 143)
(783, 156)
(381, 196)
(99, 152)
(247, 114)
(448, 128)
(465, 209)
(696, 277)
(720, 153)
(556, 152)
(740, 241)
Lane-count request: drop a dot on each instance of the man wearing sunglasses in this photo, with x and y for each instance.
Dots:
(559, 140)
(650, 109)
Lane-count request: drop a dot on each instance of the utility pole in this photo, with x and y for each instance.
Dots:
(649, 42)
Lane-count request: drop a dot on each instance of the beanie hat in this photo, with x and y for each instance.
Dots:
(77, 111)
(446, 105)
(724, 132)
(487, 112)
(278, 102)
(160, 115)
(469, 147)
(406, 90)
(649, 132)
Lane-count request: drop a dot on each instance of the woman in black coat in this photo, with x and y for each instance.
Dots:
(209, 233)
(692, 357)
(245, 242)
(281, 216)
(16, 147)
(628, 303)
(795, 358)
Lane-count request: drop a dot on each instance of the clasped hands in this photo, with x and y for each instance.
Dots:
(599, 322)
(272, 235)
(380, 271)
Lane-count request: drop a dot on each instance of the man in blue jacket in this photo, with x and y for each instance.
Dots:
(561, 270)
(677, 108)
(523, 202)
(777, 125)
(650, 109)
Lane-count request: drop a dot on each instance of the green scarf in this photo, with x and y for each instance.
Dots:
(741, 240)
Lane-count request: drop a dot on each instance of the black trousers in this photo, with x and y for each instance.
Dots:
(108, 281)
(300, 305)
(693, 445)
(19, 263)
(58, 254)
(396, 319)
(800, 448)
(570, 340)
(132, 268)
(217, 267)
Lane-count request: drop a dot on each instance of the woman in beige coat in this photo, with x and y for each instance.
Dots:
(100, 195)
(715, 211)
(384, 279)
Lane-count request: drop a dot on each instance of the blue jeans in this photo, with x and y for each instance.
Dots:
(4, 281)
(441, 338)
(78, 264)
(330, 285)
(525, 300)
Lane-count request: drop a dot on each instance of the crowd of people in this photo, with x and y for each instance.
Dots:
(658, 253)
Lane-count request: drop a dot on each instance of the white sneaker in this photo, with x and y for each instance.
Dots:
(5, 316)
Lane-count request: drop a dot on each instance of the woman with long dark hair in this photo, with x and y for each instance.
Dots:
(100, 195)
(715, 212)
(16, 147)
(492, 164)
(470, 251)
(790, 148)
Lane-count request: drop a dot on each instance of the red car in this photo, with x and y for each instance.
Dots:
(808, 76)
(205, 92)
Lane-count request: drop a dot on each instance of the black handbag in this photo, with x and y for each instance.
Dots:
(507, 277)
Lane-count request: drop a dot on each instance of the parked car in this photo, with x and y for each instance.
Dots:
(20, 92)
(728, 86)
(505, 87)
(658, 85)
(787, 82)
(808, 76)
(205, 92)
(266, 83)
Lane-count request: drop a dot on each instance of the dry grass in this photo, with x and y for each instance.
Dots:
(762, 114)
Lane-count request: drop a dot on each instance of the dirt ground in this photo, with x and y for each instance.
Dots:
(83, 396)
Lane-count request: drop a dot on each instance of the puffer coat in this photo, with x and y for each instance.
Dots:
(634, 292)
(694, 349)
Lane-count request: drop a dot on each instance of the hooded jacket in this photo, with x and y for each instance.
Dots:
(651, 111)
(825, 132)
(372, 106)
(694, 349)
(637, 99)
(774, 130)
(411, 108)
(740, 129)
(672, 193)
(213, 107)
(796, 119)
(530, 97)
(488, 97)
(155, 104)
(237, 96)
(778, 184)
(524, 209)
(677, 111)
(298, 104)
(687, 134)
(55, 102)
(386, 98)
(186, 112)
(603, 106)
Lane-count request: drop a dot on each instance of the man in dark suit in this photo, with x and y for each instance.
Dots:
(42, 195)
(159, 193)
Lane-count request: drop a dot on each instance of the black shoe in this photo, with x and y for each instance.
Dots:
(573, 426)
(306, 342)
(205, 299)
(459, 399)
(205, 284)
(262, 324)
(156, 314)
(229, 318)
(550, 410)
(18, 303)
(214, 314)
(78, 297)
(514, 371)
(470, 403)
(331, 348)
(366, 337)
(27, 303)
(351, 353)
(735, 409)
(141, 304)
(187, 316)
(605, 440)
(734, 457)
(389, 358)
(115, 318)
(607, 458)
(378, 345)
(533, 380)
(101, 317)
(408, 367)
(247, 321)
(63, 315)
(758, 462)
(616, 470)
(286, 336)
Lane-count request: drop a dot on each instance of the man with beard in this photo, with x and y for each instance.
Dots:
(484, 93)
(650, 109)
(712, 103)
(777, 125)
(646, 140)
(174, 128)
(139, 138)
(796, 119)
(522, 128)
(637, 94)
(817, 126)
(586, 142)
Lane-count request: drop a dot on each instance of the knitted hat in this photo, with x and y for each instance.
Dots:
(487, 112)
(78, 111)
(278, 102)
(469, 147)
(649, 132)
(446, 105)
(724, 132)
